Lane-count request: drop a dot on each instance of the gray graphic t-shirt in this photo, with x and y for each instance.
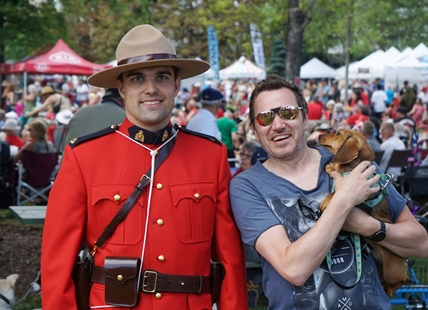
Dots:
(261, 200)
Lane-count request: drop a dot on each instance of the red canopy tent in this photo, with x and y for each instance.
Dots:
(61, 59)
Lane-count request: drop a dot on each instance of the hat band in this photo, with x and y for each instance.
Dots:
(145, 58)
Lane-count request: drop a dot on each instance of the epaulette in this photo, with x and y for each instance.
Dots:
(208, 137)
(102, 132)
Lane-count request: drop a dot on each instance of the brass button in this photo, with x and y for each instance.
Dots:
(161, 258)
(119, 278)
(116, 197)
(159, 222)
(158, 295)
(197, 196)
(159, 186)
(113, 126)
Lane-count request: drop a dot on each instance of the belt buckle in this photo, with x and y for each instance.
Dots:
(147, 274)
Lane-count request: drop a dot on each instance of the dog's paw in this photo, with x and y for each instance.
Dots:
(329, 168)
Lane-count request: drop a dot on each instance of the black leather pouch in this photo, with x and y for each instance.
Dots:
(217, 275)
(121, 281)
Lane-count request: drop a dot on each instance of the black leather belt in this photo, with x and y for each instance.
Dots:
(153, 282)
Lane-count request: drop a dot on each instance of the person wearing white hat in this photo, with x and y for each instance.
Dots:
(11, 130)
(178, 224)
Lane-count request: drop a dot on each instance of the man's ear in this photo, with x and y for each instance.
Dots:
(255, 132)
(120, 88)
(177, 85)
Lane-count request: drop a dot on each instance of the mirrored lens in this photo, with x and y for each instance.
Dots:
(265, 118)
(286, 112)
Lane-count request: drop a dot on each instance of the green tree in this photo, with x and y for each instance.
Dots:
(97, 26)
(277, 58)
(26, 27)
(185, 22)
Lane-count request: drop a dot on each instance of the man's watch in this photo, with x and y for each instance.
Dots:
(380, 234)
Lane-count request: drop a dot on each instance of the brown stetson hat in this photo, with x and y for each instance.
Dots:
(47, 90)
(145, 46)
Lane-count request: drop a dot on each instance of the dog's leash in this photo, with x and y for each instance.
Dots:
(366, 206)
(31, 289)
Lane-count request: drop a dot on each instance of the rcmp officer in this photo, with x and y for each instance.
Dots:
(182, 219)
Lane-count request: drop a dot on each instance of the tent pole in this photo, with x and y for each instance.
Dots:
(25, 83)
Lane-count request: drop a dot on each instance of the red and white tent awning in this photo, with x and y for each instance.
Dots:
(61, 59)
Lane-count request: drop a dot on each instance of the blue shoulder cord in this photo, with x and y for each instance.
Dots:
(370, 202)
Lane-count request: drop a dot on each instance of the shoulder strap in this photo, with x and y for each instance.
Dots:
(129, 203)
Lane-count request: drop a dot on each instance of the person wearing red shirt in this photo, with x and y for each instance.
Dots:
(11, 128)
(315, 107)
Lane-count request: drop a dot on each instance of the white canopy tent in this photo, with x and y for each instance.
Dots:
(368, 68)
(316, 69)
(412, 68)
(242, 68)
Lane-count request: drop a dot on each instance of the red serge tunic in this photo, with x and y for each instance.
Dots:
(190, 220)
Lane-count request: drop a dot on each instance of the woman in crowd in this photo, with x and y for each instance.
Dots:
(9, 97)
(39, 142)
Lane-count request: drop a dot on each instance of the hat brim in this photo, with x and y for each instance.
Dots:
(16, 128)
(187, 68)
(49, 93)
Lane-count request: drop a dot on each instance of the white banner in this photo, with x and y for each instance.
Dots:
(256, 38)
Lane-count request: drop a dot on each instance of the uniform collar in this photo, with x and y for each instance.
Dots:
(145, 136)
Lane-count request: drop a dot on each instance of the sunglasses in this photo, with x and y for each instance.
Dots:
(266, 118)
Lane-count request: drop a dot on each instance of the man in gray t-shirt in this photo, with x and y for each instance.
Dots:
(275, 205)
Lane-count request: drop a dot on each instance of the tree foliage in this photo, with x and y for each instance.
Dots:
(186, 22)
(93, 28)
(96, 27)
(27, 28)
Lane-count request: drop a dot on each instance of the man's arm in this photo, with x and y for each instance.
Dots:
(43, 107)
(406, 237)
(291, 260)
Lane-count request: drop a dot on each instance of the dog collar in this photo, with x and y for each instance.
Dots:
(6, 300)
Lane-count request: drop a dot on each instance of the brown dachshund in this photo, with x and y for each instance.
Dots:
(350, 148)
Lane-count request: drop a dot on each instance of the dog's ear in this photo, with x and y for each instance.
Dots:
(366, 152)
(11, 280)
(347, 152)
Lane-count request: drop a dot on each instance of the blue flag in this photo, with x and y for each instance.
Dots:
(213, 49)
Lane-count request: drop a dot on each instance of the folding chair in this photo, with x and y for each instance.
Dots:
(35, 176)
(58, 135)
(417, 180)
(399, 158)
(378, 156)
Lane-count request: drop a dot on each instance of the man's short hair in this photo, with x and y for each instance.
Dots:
(388, 125)
(368, 128)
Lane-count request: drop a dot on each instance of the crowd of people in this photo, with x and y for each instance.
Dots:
(241, 181)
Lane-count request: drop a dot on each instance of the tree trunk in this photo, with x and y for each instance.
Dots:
(297, 21)
(347, 49)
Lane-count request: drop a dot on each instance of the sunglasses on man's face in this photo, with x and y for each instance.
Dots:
(266, 118)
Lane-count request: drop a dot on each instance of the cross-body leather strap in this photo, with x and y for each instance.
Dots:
(129, 203)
